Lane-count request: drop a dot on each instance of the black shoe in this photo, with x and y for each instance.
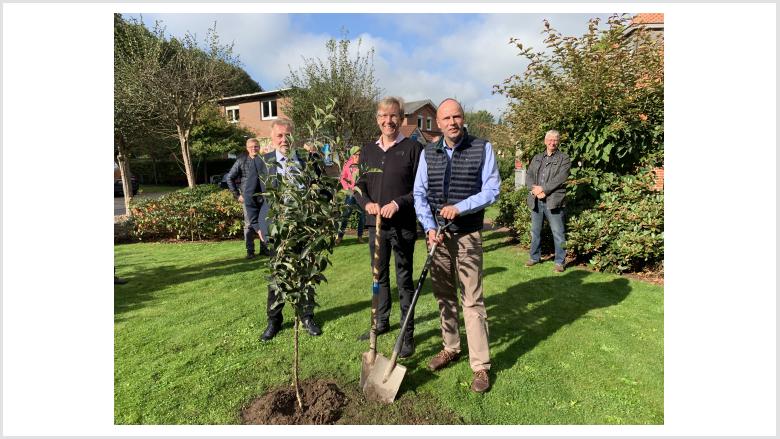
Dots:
(250, 255)
(379, 331)
(271, 331)
(407, 348)
(311, 326)
(119, 281)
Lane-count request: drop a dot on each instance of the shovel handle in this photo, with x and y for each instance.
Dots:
(375, 288)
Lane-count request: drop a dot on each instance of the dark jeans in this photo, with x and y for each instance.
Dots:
(352, 206)
(401, 242)
(251, 225)
(555, 219)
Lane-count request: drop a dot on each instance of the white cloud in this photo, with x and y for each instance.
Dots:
(459, 56)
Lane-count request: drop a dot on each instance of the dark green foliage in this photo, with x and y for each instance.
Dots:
(479, 123)
(202, 212)
(603, 92)
(625, 229)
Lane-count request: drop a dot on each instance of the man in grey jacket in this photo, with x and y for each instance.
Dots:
(546, 179)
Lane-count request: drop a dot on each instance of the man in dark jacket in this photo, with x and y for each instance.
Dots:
(389, 194)
(546, 180)
(249, 167)
(280, 164)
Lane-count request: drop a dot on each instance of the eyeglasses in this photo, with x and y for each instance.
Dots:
(385, 116)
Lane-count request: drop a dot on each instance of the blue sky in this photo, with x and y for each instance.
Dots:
(417, 56)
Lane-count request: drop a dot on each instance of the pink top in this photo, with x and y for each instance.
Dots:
(349, 172)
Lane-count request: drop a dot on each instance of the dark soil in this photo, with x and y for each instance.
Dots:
(325, 403)
(322, 404)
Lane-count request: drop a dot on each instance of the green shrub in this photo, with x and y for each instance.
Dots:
(625, 229)
(203, 212)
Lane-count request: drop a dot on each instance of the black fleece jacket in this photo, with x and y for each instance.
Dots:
(394, 183)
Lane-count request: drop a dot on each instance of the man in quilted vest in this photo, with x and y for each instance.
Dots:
(458, 178)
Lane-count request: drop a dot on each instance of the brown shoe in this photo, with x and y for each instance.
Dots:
(558, 268)
(338, 240)
(481, 381)
(442, 359)
(531, 263)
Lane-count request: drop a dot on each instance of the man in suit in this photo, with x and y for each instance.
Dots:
(546, 180)
(281, 164)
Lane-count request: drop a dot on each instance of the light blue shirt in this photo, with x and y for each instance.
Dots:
(491, 183)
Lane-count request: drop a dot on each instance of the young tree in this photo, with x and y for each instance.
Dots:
(349, 80)
(604, 93)
(305, 206)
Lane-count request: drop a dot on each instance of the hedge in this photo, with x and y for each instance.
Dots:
(203, 212)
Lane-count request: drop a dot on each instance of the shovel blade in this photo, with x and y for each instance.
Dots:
(377, 390)
(367, 365)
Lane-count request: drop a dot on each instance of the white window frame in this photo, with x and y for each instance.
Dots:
(262, 109)
(419, 121)
(428, 123)
(231, 116)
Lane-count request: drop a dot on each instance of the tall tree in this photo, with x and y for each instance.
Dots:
(134, 118)
(178, 79)
(604, 93)
(479, 122)
(349, 80)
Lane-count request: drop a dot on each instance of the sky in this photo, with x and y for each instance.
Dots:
(417, 56)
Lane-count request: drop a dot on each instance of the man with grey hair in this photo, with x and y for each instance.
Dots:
(248, 167)
(282, 164)
(389, 194)
(546, 180)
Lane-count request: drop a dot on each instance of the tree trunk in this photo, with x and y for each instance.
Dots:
(154, 170)
(295, 363)
(124, 169)
(184, 141)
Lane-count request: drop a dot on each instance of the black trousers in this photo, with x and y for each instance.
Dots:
(401, 242)
(275, 312)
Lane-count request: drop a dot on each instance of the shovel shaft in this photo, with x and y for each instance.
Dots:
(375, 289)
(415, 296)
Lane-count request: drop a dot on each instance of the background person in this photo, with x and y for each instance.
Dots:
(348, 176)
(546, 178)
(248, 168)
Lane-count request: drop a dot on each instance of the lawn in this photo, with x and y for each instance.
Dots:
(573, 348)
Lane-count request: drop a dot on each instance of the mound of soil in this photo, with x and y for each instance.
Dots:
(323, 403)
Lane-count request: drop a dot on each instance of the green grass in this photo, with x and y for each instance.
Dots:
(572, 348)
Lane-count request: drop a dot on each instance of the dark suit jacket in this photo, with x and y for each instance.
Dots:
(271, 168)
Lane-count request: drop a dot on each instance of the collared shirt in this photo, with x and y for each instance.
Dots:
(544, 167)
(397, 140)
(282, 160)
(491, 183)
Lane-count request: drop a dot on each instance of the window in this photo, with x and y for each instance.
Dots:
(232, 113)
(269, 109)
(419, 121)
(428, 124)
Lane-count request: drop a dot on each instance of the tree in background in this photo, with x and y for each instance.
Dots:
(215, 135)
(135, 121)
(603, 93)
(174, 79)
(347, 80)
(479, 123)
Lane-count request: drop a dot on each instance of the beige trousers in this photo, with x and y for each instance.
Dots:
(458, 261)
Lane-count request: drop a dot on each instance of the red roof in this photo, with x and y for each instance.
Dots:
(648, 18)
(407, 130)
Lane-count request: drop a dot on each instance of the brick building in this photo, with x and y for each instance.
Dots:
(254, 111)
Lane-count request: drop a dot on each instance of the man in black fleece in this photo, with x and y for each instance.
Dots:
(389, 193)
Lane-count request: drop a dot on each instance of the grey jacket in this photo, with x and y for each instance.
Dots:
(555, 187)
